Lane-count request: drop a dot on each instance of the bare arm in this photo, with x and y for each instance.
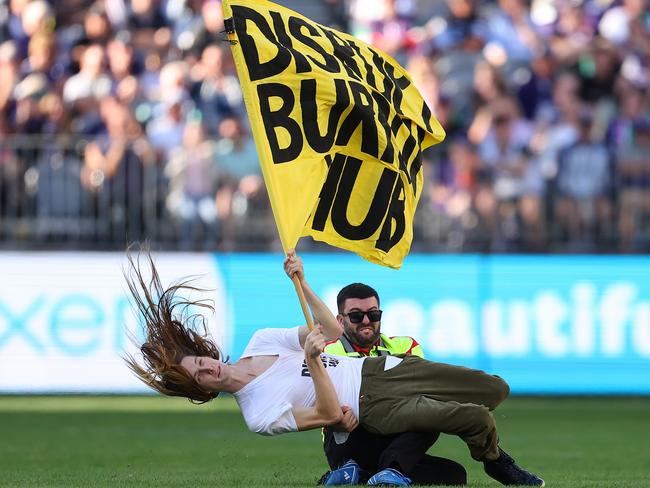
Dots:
(331, 328)
(95, 159)
(327, 410)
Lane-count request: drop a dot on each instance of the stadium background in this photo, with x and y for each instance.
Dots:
(123, 120)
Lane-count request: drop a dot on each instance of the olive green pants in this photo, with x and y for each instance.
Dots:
(422, 396)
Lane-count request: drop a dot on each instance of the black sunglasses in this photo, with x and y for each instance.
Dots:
(356, 317)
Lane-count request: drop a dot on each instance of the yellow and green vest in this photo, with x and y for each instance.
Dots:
(385, 346)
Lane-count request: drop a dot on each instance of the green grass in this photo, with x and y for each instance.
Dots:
(152, 441)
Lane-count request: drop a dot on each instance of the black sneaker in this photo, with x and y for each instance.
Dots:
(506, 472)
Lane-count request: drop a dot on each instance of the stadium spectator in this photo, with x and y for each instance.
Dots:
(84, 91)
(145, 17)
(460, 188)
(236, 151)
(117, 12)
(97, 28)
(197, 26)
(14, 28)
(598, 70)
(121, 61)
(516, 178)
(37, 17)
(281, 388)
(173, 78)
(465, 56)
(633, 168)
(634, 107)
(565, 93)
(556, 128)
(489, 88)
(165, 130)
(11, 172)
(57, 118)
(29, 117)
(193, 182)
(149, 79)
(186, 24)
(583, 209)
(218, 94)
(571, 32)
(241, 191)
(511, 32)
(458, 27)
(43, 58)
(535, 87)
(212, 25)
(114, 170)
(10, 76)
(395, 456)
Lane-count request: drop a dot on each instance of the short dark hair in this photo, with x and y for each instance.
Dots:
(355, 290)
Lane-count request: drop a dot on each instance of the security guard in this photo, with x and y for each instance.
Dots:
(396, 460)
(383, 346)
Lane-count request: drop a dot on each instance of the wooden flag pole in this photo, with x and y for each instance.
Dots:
(303, 302)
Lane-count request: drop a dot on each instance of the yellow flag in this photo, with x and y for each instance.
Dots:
(339, 128)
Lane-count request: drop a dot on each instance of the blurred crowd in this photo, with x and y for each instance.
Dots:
(127, 114)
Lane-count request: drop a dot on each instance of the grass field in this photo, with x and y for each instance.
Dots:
(156, 442)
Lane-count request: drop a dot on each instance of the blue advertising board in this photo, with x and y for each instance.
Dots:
(547, 324)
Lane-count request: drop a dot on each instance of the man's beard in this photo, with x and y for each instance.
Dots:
(362, 341)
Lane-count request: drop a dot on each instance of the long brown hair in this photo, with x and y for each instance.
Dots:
(169, 331)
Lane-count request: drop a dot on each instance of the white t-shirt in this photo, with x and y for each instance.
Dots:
(267, 401)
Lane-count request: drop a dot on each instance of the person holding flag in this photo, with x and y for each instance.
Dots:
(285, 383)
(340, 128)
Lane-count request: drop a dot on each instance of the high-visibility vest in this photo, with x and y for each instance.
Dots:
(386, 346)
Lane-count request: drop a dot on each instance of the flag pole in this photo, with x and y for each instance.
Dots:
(303, 302)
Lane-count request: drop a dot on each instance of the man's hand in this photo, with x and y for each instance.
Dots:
(349, 422)
(314, 343)
(293, 265)
(322, 314)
